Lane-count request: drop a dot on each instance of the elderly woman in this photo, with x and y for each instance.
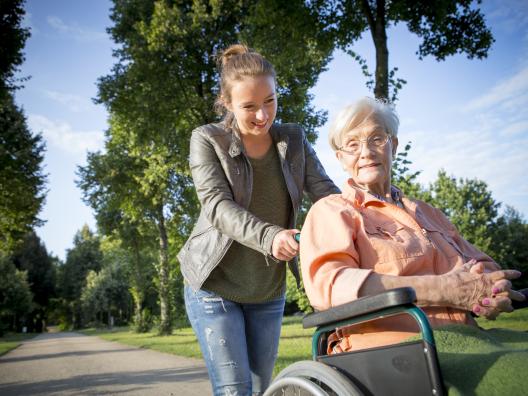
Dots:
(371, 238)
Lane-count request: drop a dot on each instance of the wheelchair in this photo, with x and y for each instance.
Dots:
(410, 368)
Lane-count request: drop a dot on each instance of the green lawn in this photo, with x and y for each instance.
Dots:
(295, 342)
(11, 341)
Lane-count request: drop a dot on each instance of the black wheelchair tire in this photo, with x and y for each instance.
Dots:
(329, 379)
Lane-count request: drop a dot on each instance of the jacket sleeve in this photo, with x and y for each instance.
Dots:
(216, 197)
(329, 258)
(317, 184)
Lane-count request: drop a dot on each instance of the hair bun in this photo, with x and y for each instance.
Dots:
(232, 51)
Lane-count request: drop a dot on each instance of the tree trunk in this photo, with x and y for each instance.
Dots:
(138, 293)
(377, 24)
(163, 272)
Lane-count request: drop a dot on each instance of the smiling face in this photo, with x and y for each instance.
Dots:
(370, 168)
(254, 104)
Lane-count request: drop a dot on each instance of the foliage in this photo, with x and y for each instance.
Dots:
(22, 181)
(510, 244)
(163, 85)
(85, 256)
(446, 27)
(296, 299)
(105, 297)
(12, 40)
(33, 258)
(15, 296)
(469, 205)
(404, 179)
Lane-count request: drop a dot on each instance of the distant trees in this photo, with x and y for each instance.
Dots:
(85, 256)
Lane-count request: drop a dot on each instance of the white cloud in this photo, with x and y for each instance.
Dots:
(75, 103)
(510, 93)
(61, 135)
(74, 30)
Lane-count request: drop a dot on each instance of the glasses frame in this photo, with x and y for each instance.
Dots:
(368, 143)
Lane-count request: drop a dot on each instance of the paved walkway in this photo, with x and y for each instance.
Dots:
(75, 364)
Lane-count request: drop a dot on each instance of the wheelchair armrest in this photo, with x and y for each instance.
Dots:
(361, 306)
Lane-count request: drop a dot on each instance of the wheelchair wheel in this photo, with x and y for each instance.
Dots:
(310, 378)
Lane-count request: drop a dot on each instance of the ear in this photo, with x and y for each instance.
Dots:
(339, 156)
(394, 141)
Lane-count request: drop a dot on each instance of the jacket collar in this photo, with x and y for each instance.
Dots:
(237, 147)
(361, 198)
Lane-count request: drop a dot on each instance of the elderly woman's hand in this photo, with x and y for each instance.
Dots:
(487, 294)
(499, 298)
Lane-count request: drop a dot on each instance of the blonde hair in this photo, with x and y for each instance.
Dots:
(355, 114)
(235, 63)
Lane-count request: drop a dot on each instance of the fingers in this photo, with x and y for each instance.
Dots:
(284, 246)
(504, 274)
(498, 303)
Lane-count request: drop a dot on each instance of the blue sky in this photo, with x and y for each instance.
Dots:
(468, 117)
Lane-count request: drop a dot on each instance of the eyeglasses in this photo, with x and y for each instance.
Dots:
(374, 141)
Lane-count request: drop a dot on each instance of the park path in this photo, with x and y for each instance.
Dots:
(74, 364)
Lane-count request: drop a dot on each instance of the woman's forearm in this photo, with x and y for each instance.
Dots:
(428, 288)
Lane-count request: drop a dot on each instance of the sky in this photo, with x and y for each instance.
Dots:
(467, 117)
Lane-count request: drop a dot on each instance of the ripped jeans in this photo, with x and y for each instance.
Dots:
(239, 342)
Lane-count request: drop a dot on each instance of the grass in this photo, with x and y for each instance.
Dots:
(517, 320)
(12, 340)
(295, 342)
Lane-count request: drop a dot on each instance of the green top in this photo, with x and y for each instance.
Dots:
(243, 275)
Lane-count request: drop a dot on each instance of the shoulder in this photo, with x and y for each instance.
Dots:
(289, 129)
(210, 130)
(333, 205)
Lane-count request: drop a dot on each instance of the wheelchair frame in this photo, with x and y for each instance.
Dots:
(409, 368)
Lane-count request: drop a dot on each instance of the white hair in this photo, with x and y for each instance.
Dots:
(353, 115)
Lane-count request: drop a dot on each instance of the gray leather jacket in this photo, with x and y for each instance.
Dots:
(223, 180)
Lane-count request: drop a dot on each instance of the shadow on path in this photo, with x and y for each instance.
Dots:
(133, 381)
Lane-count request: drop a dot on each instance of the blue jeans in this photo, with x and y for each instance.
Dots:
(239, 342)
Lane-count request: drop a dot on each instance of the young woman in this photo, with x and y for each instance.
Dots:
(250, 175)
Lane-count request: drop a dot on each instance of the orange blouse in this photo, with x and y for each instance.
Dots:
(348, 235)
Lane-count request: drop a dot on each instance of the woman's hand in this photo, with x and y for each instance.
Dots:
(284, 246)
(470, 288)
(499, 298)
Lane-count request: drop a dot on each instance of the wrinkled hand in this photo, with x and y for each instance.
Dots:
(284, 246)
(499, 298)
(471, 287)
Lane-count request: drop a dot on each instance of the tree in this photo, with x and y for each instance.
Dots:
(164, 85)
(510, 244)
(469, 205)
(85, 256)
(33, 259)
(106, 295)
(447, 27)
(12, 40)
(404, 179)
(22, 181)
(15, 296)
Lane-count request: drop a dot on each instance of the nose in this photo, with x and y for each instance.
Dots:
(365, 149)
(261, 114)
